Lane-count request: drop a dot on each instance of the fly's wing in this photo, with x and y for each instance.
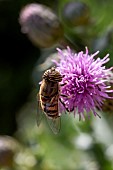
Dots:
(39, 111)
(55, 124)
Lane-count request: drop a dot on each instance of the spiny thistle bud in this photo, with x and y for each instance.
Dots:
(75, 13)
(40, 24)
(108, 104)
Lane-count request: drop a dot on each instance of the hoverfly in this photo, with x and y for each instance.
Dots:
(49, 98)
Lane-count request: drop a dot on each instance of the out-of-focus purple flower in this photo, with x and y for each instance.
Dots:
(87, 81)
(41, 25)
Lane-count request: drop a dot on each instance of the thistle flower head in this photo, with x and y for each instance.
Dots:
(86, 81)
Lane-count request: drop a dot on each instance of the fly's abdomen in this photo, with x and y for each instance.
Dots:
(52, 110)
(50, 106)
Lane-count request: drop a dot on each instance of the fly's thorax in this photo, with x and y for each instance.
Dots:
(49, 88)
(52, 75)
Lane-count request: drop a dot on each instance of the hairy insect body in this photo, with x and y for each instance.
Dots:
(49, 95)
(49, 98)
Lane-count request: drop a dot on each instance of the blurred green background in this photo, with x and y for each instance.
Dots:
(84, 145)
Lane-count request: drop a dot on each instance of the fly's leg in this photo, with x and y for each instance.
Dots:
(65, 106)
(64, 83)
(63, 95)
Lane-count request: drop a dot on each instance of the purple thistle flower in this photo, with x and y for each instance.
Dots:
(87, 81)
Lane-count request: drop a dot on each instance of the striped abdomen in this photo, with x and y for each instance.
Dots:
(50, 106)
(49, 96)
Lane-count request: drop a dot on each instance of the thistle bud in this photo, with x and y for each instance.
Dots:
(75, 14)
(108, 103)
(40, 24)
(8, 147)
